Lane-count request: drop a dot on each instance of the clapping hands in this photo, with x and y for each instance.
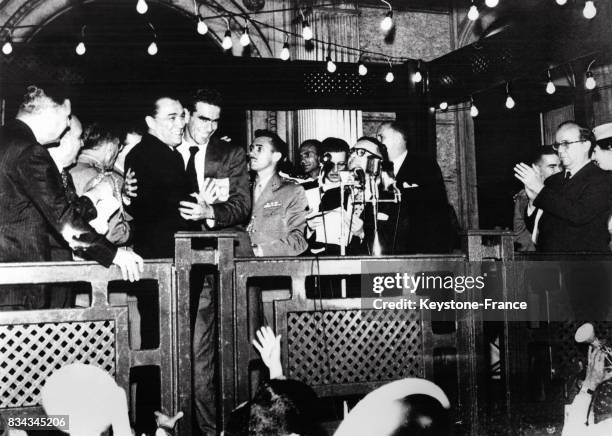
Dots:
(530, 178)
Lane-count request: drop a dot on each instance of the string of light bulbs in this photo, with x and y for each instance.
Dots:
(589, 11)
(589, 84)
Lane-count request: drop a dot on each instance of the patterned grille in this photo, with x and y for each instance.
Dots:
(29, 353)
(354, 346)
(344, 84)
(491, 61)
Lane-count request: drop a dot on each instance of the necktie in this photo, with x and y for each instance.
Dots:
(192, 175)
(567, 176)
(257, 193)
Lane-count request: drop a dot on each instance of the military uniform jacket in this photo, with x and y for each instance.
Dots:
(278, 219)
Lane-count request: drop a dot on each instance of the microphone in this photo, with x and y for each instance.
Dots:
(360, 176)
(373, 166)
(326, 165)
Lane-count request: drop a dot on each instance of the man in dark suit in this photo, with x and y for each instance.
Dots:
(422, 224)
(218, 178)
(576, 201)
(576, 211)
(33, 204)
(162, 182)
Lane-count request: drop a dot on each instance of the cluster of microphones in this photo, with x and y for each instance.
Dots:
(358, 177)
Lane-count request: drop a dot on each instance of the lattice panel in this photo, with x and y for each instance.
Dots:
(323, 83)
(354, 346)
(29, 353)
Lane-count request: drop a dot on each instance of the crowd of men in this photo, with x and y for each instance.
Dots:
(69, 192)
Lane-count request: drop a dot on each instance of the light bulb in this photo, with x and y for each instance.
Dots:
(152, 50)
(417, 77)
(590, 83)
(80, 48)
(362, 69)
(387, 23)
(227, 40)
(550, 87)
(491, 3)
(285, 54)
(444, 105)
(473, 13)
(589, 10)
(331, 66)
(202, 27)
(561, 2)
(389, 77)
(474, 111)
(510, 102)
(306, 31)
(142, 7)
(7, 48)
(244, 38)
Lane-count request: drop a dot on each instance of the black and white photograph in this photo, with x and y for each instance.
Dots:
(306, 217)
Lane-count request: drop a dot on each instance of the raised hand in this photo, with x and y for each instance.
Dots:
(268, 346)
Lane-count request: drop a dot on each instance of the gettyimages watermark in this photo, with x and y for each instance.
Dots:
(513, 291)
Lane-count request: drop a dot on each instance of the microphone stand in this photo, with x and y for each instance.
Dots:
(342, 237)
(376, 248)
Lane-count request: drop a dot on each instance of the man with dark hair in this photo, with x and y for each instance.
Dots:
(215, 168)
(162, 181)
(218, 178)
(575, 201)
(278, 408)
(279, 205)
(545, 162)
(324, 221)
(310, 157)
(423, 224)
(33, 203)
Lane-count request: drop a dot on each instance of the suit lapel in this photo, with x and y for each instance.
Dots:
(212, 159)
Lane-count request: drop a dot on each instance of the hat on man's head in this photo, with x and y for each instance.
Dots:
(603, 131)
(368, 145)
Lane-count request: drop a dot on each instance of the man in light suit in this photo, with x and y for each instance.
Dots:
(280, 206)
(219, 183)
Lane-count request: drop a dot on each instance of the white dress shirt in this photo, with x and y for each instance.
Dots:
(200, 161)
(200, 157)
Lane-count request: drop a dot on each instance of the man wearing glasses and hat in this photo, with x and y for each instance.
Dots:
(576, 201)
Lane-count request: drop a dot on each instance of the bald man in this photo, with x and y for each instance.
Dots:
(574, 201)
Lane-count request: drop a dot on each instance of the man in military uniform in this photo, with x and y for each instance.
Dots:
(279, 205)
